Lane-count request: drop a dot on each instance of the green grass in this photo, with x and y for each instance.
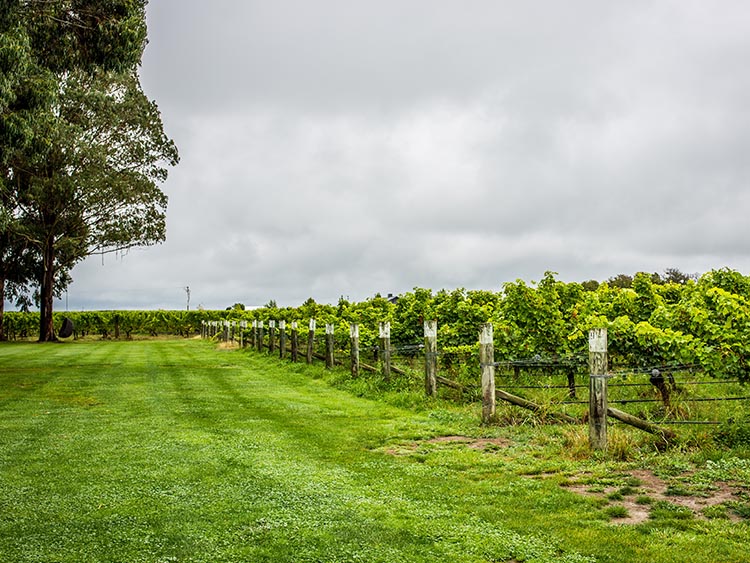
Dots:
(174, 451)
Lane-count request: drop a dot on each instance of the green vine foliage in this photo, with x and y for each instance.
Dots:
(705, 323)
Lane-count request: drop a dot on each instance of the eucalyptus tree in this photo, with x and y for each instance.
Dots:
(91, 183)
(82, 150)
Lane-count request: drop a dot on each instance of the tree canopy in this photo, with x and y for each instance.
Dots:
(82, 149)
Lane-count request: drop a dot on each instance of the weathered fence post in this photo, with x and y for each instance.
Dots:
(385, 345)
(354, 336)
(329, 346)
(271, 336)
(430, 358)
(227, 324)
(234, 331)
(310, 341)
(598, 389)
(487, 360)
(243, 328)
(255, 333)
(260, 336)
(295, 341)
(282, 339)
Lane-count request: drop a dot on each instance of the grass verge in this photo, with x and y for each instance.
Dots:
(174, 451)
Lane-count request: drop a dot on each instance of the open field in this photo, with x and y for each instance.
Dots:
(174, 451)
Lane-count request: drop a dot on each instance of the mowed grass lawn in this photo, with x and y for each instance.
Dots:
(175, 451)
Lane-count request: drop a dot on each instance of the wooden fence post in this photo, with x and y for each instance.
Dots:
(598, 389)
(271, 336)
(487, 360)
(329, 346)
(354, 336)
(260, 336)
(430, 358)
(385, 345)
(255, 334)
(282, 339)
(310, 342)
(243, 328)
(295, 341)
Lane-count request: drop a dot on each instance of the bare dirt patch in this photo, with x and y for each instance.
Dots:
(481, 444)
(656, 489)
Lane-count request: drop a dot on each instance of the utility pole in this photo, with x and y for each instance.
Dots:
(187, 290)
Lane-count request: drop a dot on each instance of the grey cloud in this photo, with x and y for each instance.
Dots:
(341, 147)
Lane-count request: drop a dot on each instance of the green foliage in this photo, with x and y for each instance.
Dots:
(699, 323)
(734, 433)
(82, 149)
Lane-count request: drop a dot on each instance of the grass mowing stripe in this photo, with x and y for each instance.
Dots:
(192, 454)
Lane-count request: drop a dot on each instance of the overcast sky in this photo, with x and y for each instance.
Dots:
(344, 147)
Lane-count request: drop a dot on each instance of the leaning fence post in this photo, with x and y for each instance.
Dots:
(260, 336)
(329, 346)
(430, 358)
(598, 389)
(310, 341)
(295, 341)
(385, 344)
(487, 360)
(282, 339)
(354, 336)
(271, 336)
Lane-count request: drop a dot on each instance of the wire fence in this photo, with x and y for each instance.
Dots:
(668, 394)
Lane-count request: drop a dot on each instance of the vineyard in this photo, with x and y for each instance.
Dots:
(667, 342)
(704, 324)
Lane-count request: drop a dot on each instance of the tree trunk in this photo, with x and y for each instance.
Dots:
(46, 298)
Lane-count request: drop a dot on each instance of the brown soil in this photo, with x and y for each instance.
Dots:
(482, 444)
(655, 488)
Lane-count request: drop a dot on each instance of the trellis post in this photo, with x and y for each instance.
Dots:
(295, 341)
(487, 360)
(260, 336)
(385, 345)
(329, 346)
(310, 342)
(271, 336)
(243, 328)
(255, 333)
(354, 337)
(282, 339)
(430, 358)
(598, 389)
